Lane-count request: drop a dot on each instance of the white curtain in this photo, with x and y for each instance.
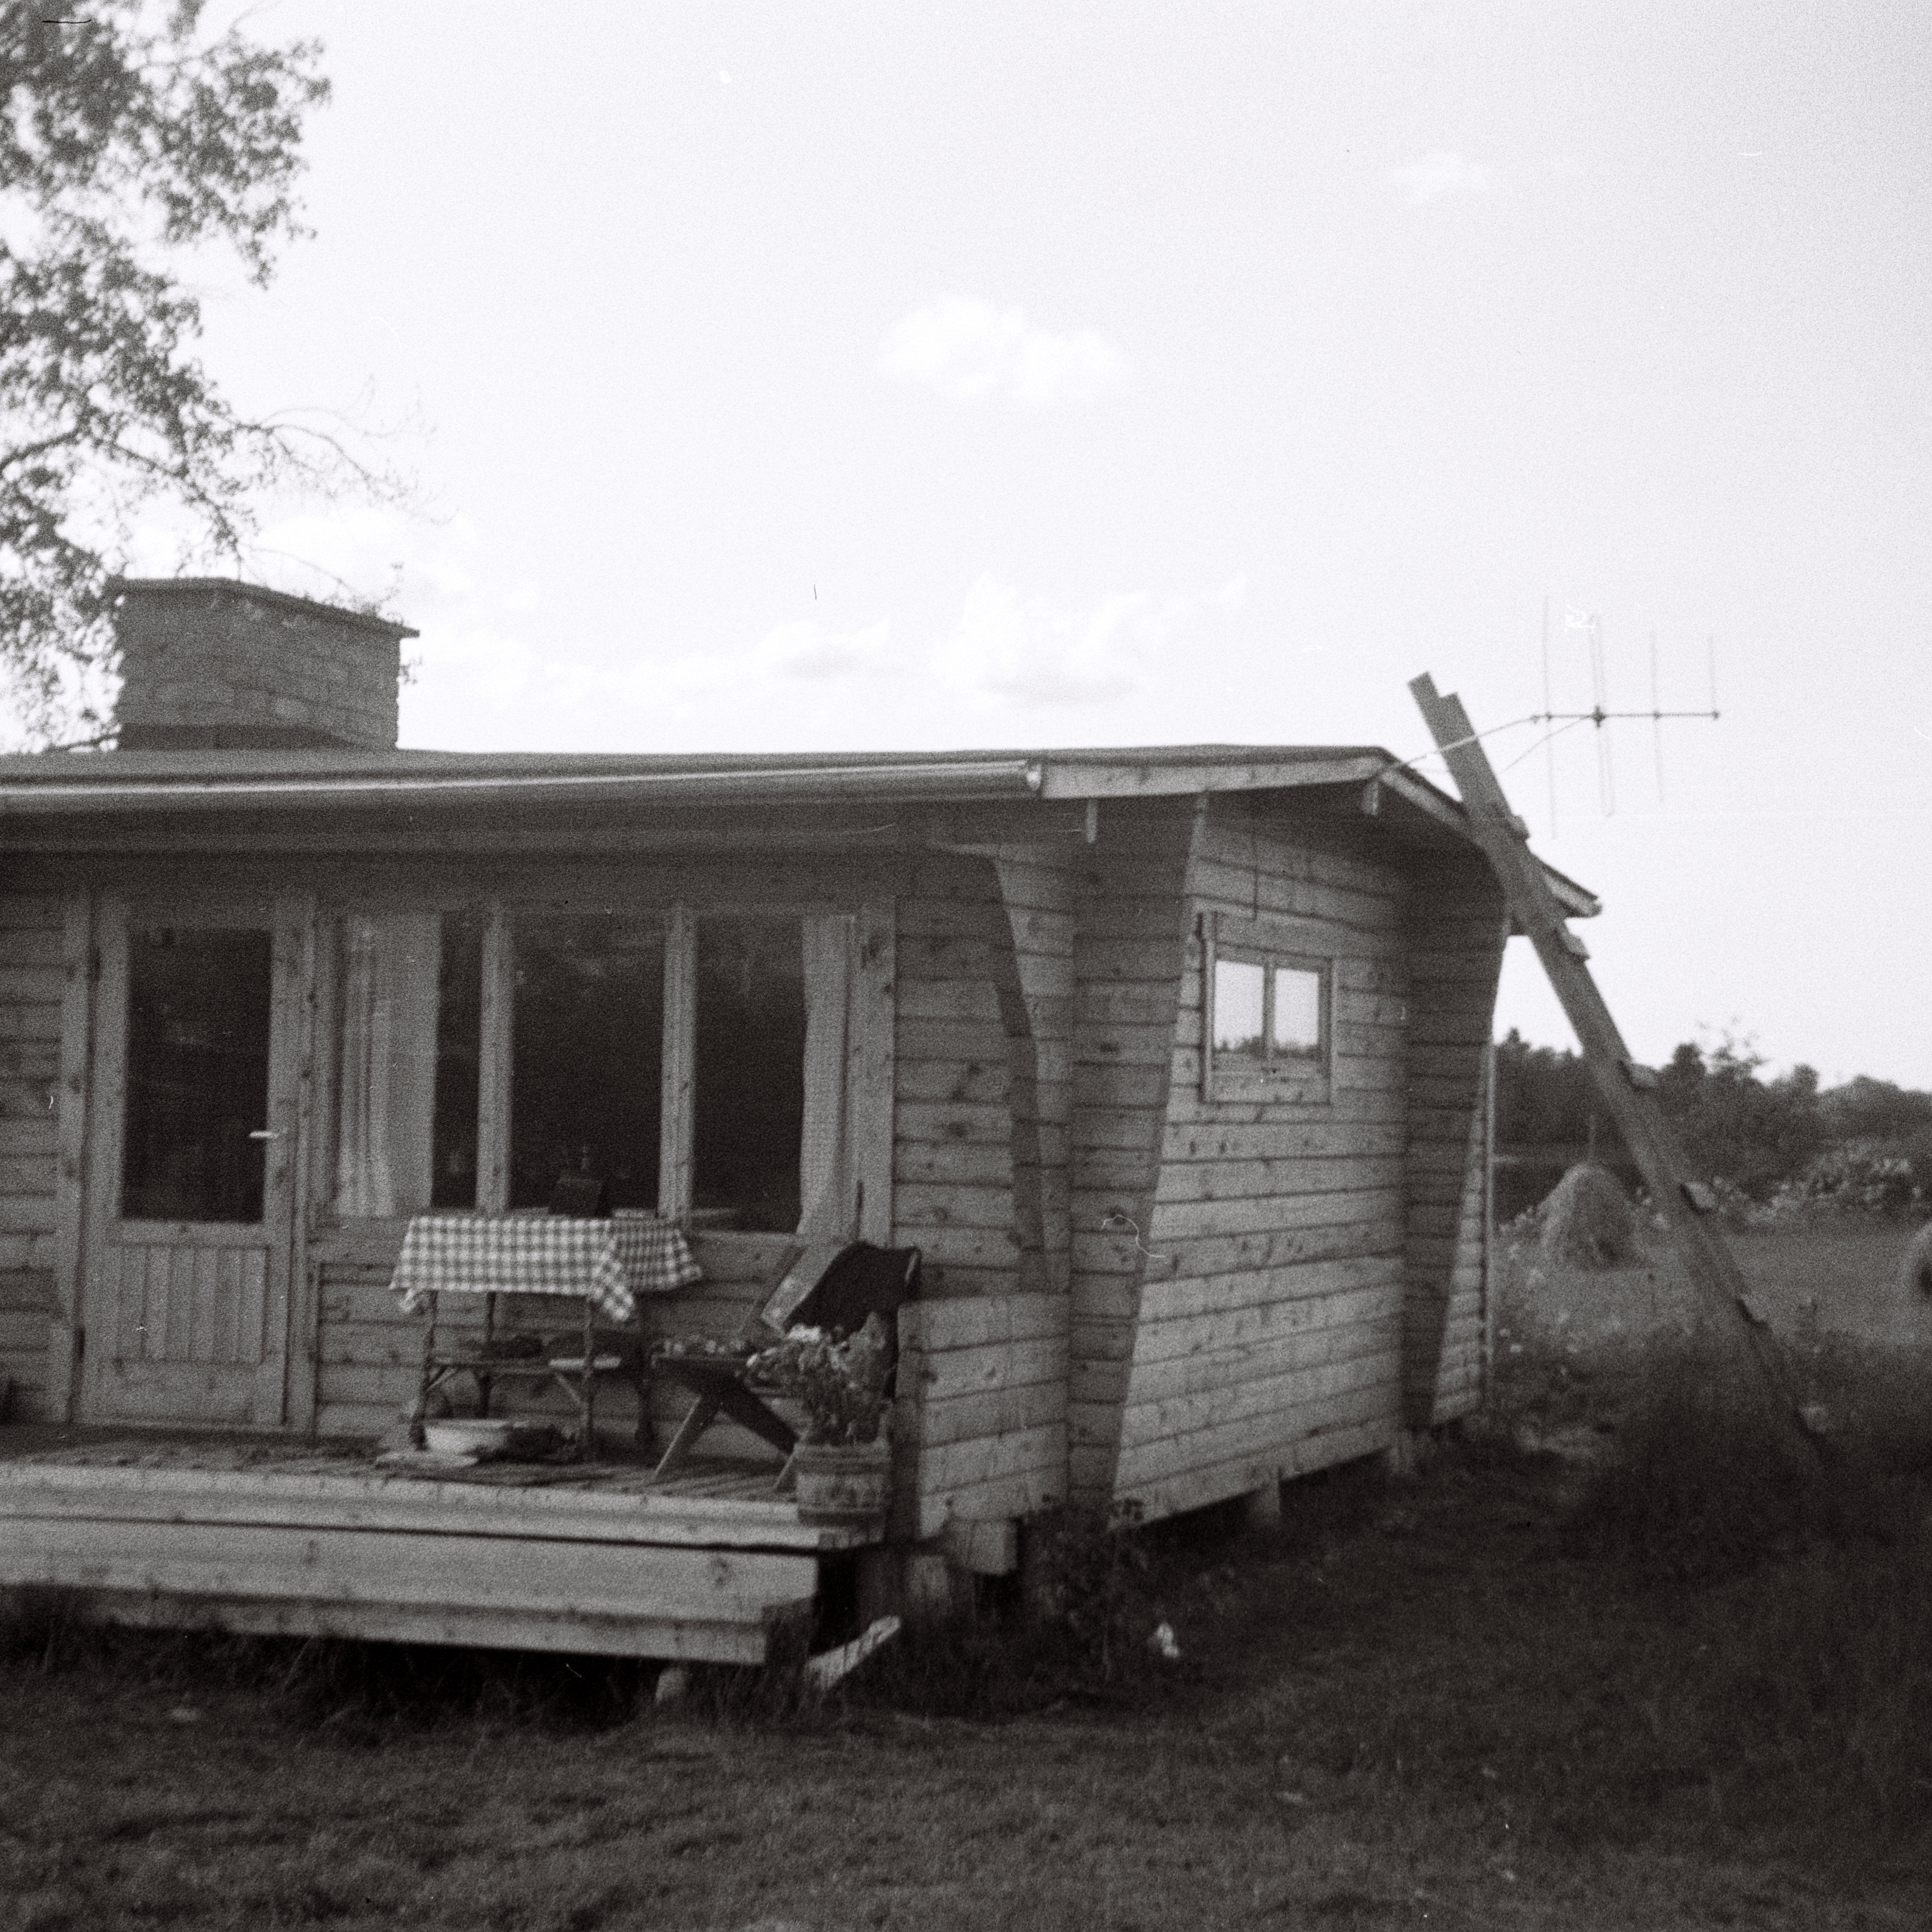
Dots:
(386, 1072)
(824, 1161)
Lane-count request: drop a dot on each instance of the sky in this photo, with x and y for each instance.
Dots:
(783, 376)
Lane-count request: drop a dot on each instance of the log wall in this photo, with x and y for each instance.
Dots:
(981, 1418)
(953, 1119)
(32, 981)
(1456, 926)
(1268, 1342)
(1129, 953)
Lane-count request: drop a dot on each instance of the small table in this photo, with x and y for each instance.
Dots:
(603, 1264)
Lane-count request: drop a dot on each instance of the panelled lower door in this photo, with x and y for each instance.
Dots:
(191, 1180)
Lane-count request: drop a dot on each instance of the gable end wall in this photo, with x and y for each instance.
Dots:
(1269, 1336)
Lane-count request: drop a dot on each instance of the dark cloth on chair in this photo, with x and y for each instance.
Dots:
(862, 1280)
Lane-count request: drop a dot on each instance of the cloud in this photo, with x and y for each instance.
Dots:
(803, 651)
(1006, 648)
(811, 650)
(970, 351)
(1438, 176)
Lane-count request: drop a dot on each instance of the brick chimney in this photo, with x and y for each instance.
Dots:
(208, 664)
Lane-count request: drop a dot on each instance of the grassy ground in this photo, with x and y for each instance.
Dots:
(1510, 1693)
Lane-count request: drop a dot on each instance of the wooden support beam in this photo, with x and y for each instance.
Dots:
(1504, 839)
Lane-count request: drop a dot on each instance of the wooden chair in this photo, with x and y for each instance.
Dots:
(830, 1284)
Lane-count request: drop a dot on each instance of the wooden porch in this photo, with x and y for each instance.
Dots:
(306, 1539)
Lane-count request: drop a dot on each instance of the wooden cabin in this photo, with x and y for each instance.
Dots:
(1173, 1062)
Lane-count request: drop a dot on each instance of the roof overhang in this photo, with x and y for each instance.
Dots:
(73, 790)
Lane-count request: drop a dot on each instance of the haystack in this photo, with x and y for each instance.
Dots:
(1586, 1222)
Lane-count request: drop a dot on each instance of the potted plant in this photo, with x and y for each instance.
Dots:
(843, 1464)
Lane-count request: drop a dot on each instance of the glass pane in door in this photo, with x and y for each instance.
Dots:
(198, 1020)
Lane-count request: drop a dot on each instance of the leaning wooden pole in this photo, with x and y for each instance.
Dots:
(1626, 1087)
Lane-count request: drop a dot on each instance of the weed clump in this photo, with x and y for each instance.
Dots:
(1696, 1488)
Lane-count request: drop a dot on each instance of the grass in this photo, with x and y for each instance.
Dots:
(1639, 1688)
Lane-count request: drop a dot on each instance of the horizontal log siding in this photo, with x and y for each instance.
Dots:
(953, 1125)
(369, 1356)
(1129, 951)
(31, 985)
(1457, 925)
(1270, 1344)
(981, 1419)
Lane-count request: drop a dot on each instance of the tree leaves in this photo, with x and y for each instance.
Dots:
(122, 141)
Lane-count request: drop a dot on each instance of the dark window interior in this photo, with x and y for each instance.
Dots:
(459, 1045)
(589, 1046)
(198, 1019)
(750, 1075)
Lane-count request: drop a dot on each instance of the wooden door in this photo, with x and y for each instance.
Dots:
(191, 1184)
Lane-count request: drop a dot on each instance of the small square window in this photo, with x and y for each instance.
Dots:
(1267, 1031)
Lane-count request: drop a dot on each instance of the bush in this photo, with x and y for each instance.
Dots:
(1867, 1177)
(1696, 1488)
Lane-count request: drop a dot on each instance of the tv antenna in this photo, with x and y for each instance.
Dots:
(1600, 714)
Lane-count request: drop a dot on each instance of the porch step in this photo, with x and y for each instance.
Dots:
(384, 1561)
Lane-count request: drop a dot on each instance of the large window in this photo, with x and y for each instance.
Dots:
(1265, 1014)
(695, 1063)
(586, 1056)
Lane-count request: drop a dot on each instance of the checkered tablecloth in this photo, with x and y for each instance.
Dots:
(656, 1257)
(610, 1261)
(474, 1254)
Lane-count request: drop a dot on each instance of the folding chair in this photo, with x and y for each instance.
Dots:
(830, 1284)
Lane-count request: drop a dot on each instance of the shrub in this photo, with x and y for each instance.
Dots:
(1869, 1176)
(1696, 1487)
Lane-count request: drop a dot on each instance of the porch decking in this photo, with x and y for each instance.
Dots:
(308, 1540)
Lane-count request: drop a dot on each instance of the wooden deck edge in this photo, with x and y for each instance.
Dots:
(687, 1641)
(445, 1512)
(652, 1601)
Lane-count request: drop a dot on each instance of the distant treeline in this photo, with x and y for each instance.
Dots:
(1758, 1136)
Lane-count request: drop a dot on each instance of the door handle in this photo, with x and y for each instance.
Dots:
(264, 1134)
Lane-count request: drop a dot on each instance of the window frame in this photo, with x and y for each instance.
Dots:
(1298, 1080)
(869, 1046)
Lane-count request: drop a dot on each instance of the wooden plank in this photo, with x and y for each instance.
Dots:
(1180, 1220)
(496, 1058)
(1270, 1360)
(981, 1081)
(502, 1577)
(1257, 1320)
(72, 1144)
(931, 1326)
(872, 1074)
(1264, 1435)
(1215, 1482)
(959, 1371)
(1282, 1393)
(980, 1459)
(1228, 1179)
(997, 1410)
(998, 1499)
(313, 1157)
(637, 1517)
